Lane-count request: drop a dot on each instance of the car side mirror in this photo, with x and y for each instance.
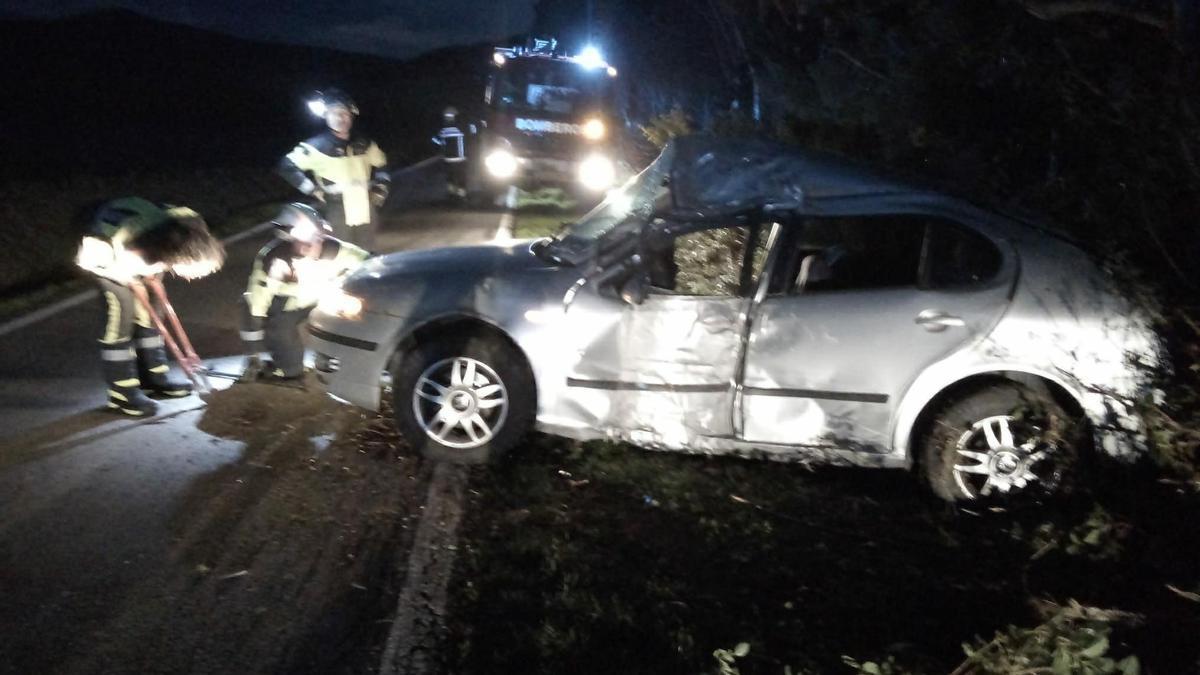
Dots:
(634, 290)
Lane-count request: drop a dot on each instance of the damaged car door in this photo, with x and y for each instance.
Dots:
(658, 366)
(858, 306)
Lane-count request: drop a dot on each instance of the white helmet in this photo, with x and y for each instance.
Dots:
(302, 223)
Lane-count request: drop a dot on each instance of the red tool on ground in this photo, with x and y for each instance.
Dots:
(177, 342)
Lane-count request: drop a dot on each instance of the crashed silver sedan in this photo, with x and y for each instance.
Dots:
(742, 297)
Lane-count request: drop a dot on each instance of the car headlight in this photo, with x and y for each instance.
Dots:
(501, 163)
(594, 129)
(597, 173)
(339, 303)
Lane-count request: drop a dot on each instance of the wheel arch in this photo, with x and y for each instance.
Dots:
(919, 417)
(456, 322)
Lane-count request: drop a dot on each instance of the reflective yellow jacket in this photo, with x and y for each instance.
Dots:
(345, 170)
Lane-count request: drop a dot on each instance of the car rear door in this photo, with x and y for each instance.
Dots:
(860, 306)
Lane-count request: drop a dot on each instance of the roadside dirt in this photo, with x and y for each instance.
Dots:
(285, 561)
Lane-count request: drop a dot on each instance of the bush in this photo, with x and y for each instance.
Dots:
(1073, 640)
(659, 130)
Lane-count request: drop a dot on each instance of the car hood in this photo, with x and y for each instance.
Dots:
(485, 260)
(468, 278)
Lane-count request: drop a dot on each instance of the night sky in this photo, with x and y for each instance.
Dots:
(400, 28)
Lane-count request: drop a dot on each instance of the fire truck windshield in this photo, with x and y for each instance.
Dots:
(551, 87)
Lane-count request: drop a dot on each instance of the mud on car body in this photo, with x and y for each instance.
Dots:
(749, 298)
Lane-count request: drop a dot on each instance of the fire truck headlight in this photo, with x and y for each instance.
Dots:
(501, 163)
(499, 59)
(597, 173)
(594, 129)
(341, 304)
(591, 58)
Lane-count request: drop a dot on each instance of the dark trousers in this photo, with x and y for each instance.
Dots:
(456, 174)
(281, 339)
(122, 312)
(130, 345)
(359, 235)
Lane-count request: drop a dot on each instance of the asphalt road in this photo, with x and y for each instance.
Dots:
(86, 496)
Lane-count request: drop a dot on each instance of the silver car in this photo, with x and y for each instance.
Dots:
(742, 297)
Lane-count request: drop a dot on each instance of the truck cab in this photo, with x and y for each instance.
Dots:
(548, 121)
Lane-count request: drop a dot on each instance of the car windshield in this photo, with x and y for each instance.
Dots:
(559, 88)
(630, 205)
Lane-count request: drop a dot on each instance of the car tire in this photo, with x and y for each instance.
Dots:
(464, 399)
(1003, 442)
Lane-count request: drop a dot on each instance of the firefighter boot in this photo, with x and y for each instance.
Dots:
(124, 393)
(153, 370)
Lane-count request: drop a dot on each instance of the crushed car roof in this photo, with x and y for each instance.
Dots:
(731, 174)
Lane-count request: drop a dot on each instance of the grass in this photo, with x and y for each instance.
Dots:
(543, 212)
(533, 225)
(601, 558)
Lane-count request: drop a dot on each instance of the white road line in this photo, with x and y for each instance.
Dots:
(414, 167)
(47, 312)
(417, 626)
(505, 231)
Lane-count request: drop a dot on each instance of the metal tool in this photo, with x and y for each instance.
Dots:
(177, 342)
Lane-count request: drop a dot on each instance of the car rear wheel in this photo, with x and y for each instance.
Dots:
(1001, 443)
(463, 400)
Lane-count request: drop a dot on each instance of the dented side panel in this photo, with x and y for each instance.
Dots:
(663, 369)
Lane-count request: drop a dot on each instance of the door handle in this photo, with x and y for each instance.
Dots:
(936, 321)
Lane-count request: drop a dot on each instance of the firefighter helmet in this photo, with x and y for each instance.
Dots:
(321, 102)
(302, 223)
(336, 97)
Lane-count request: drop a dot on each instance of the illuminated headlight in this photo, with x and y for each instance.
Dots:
(501, 163)
(317, 107)
(594, 130)
(341, 304)
(499, 59)
(591, 58)
(597, 173)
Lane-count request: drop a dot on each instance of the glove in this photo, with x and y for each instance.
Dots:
(379, 193)
(254, 369)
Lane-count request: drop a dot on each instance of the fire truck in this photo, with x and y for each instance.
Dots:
(549, 120)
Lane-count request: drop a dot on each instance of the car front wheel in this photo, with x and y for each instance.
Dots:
(1002, 442)
(463, 400)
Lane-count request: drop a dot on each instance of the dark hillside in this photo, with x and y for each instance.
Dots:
(114, 91)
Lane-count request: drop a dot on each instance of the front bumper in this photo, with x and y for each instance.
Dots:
(547, 171)
(350, 369)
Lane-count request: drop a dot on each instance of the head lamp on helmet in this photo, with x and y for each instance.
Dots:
(323, 102)
(302, 223)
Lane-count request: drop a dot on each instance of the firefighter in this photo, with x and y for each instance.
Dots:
(454, 154)
(288, 276)
(341, 170)
(129, 242)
